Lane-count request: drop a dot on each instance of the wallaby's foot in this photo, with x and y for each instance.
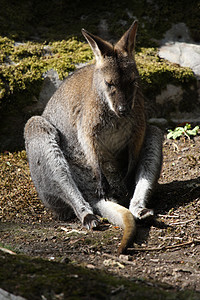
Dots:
(142, 213)
(146, 213)
(90, 221)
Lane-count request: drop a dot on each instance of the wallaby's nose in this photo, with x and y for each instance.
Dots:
(122, 110)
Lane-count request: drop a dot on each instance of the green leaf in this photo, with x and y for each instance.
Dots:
(193, 131)
(179, 131)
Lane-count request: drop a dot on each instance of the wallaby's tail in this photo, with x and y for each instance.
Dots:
(121, 217)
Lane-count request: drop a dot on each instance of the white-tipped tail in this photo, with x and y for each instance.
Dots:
(121, 217)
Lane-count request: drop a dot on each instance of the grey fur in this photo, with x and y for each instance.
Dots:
(93, 135)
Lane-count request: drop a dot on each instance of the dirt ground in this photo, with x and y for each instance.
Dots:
(165, 251)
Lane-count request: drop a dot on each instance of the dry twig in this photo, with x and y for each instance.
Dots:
(181, 223)
(7, 251)
(124, 261)
(194, 241)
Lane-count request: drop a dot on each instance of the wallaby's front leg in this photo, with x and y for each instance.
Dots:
(91, 152)
(148, 172)
(102, 183)
(51, 172)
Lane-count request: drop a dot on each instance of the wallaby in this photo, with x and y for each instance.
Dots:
(91, 150)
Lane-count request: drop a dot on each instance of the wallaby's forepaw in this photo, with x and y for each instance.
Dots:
(142, 213)
(101, 192)
(103, 188)
(90, 221)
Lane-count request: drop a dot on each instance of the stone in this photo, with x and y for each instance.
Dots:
(4, 295)
(177, 33)
(50, 84)
(184, 54)
(171, 92)
(160, 122)
(178, 47)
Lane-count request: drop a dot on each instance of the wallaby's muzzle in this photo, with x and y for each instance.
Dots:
(124, 107)
(123, 110)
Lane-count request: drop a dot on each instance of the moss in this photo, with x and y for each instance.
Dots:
(27, 50)
(21, 69)
(156, 73)
(30, 60)
(49, 20)
(6, 46)
(67, 54)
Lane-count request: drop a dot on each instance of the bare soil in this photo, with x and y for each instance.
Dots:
(167, 250)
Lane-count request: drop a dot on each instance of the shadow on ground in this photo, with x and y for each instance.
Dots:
(40, 279)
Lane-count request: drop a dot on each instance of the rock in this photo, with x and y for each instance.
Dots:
(4, 295)
(176, 102)
(50, 85)
(171, 92)
(178, 47)
(160, 122)
(184, 54)
(177, 33)
(192, 118)
(103, 30)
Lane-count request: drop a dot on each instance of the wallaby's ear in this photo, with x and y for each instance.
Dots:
(127, 42)
(99, 47)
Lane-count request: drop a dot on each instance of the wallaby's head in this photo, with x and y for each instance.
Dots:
(115, 70)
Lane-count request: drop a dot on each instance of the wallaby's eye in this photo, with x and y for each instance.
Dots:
(109, 84)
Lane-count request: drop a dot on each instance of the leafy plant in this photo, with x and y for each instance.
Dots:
(179, 131)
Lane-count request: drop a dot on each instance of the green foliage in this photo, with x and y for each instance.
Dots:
(182, 131)
(6, 46)
(27, 50)
(23, 65)
(156, 73)
(66, 54)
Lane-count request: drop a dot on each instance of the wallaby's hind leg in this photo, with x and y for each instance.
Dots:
(51, 172)
(148, 172)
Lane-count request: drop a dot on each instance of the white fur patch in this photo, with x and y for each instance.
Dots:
(140, 195)
(110, 103)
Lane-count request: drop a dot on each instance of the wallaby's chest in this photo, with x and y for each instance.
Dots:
(114, 137)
